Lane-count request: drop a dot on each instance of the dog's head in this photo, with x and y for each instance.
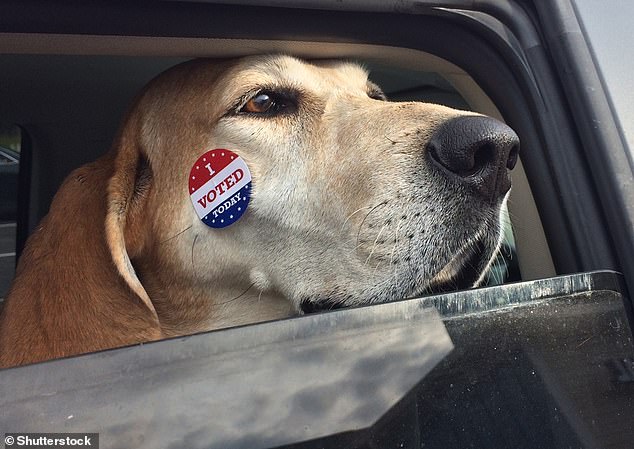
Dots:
(354, 199)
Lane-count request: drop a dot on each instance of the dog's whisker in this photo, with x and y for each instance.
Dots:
(394, 142)
(410, 267)
(394, 277)
(498, 276)
(366, 216)
(374, 244)
(395, 245)
(239, 296)
(176, 235)
(376, 268)
(351, 215)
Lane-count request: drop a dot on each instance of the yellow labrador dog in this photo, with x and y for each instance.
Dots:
(329, 196)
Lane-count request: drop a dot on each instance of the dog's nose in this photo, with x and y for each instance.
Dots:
(476, 151)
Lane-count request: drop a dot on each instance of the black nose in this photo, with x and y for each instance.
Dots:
(476, 151)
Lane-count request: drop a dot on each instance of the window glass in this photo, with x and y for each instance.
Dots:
(540, 364)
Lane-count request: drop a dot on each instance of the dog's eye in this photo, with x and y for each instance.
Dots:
(267, 103)
(259, 104)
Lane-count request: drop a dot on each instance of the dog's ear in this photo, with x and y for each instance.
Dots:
(128, 189)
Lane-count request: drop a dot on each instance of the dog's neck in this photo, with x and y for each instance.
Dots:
(184, 308)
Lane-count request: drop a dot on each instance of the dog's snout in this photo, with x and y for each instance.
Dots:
(477, 151)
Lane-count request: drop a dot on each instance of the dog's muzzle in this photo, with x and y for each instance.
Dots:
(476, 152)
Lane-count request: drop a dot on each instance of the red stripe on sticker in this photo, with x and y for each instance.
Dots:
(208, 165)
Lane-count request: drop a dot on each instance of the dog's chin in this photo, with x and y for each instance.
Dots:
(465, 270)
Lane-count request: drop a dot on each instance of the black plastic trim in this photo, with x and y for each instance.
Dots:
(601, 137)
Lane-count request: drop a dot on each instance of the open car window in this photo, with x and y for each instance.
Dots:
(544, 363)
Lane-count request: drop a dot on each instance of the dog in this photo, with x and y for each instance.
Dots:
(348, 199)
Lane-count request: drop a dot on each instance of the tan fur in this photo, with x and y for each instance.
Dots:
(67, 297)
(122, 257)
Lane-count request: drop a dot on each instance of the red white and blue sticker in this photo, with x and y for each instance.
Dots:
(220, 187)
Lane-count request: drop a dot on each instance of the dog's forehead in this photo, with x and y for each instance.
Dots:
(324, 75)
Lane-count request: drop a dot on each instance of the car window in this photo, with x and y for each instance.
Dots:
(482, 368)
(608, 34)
